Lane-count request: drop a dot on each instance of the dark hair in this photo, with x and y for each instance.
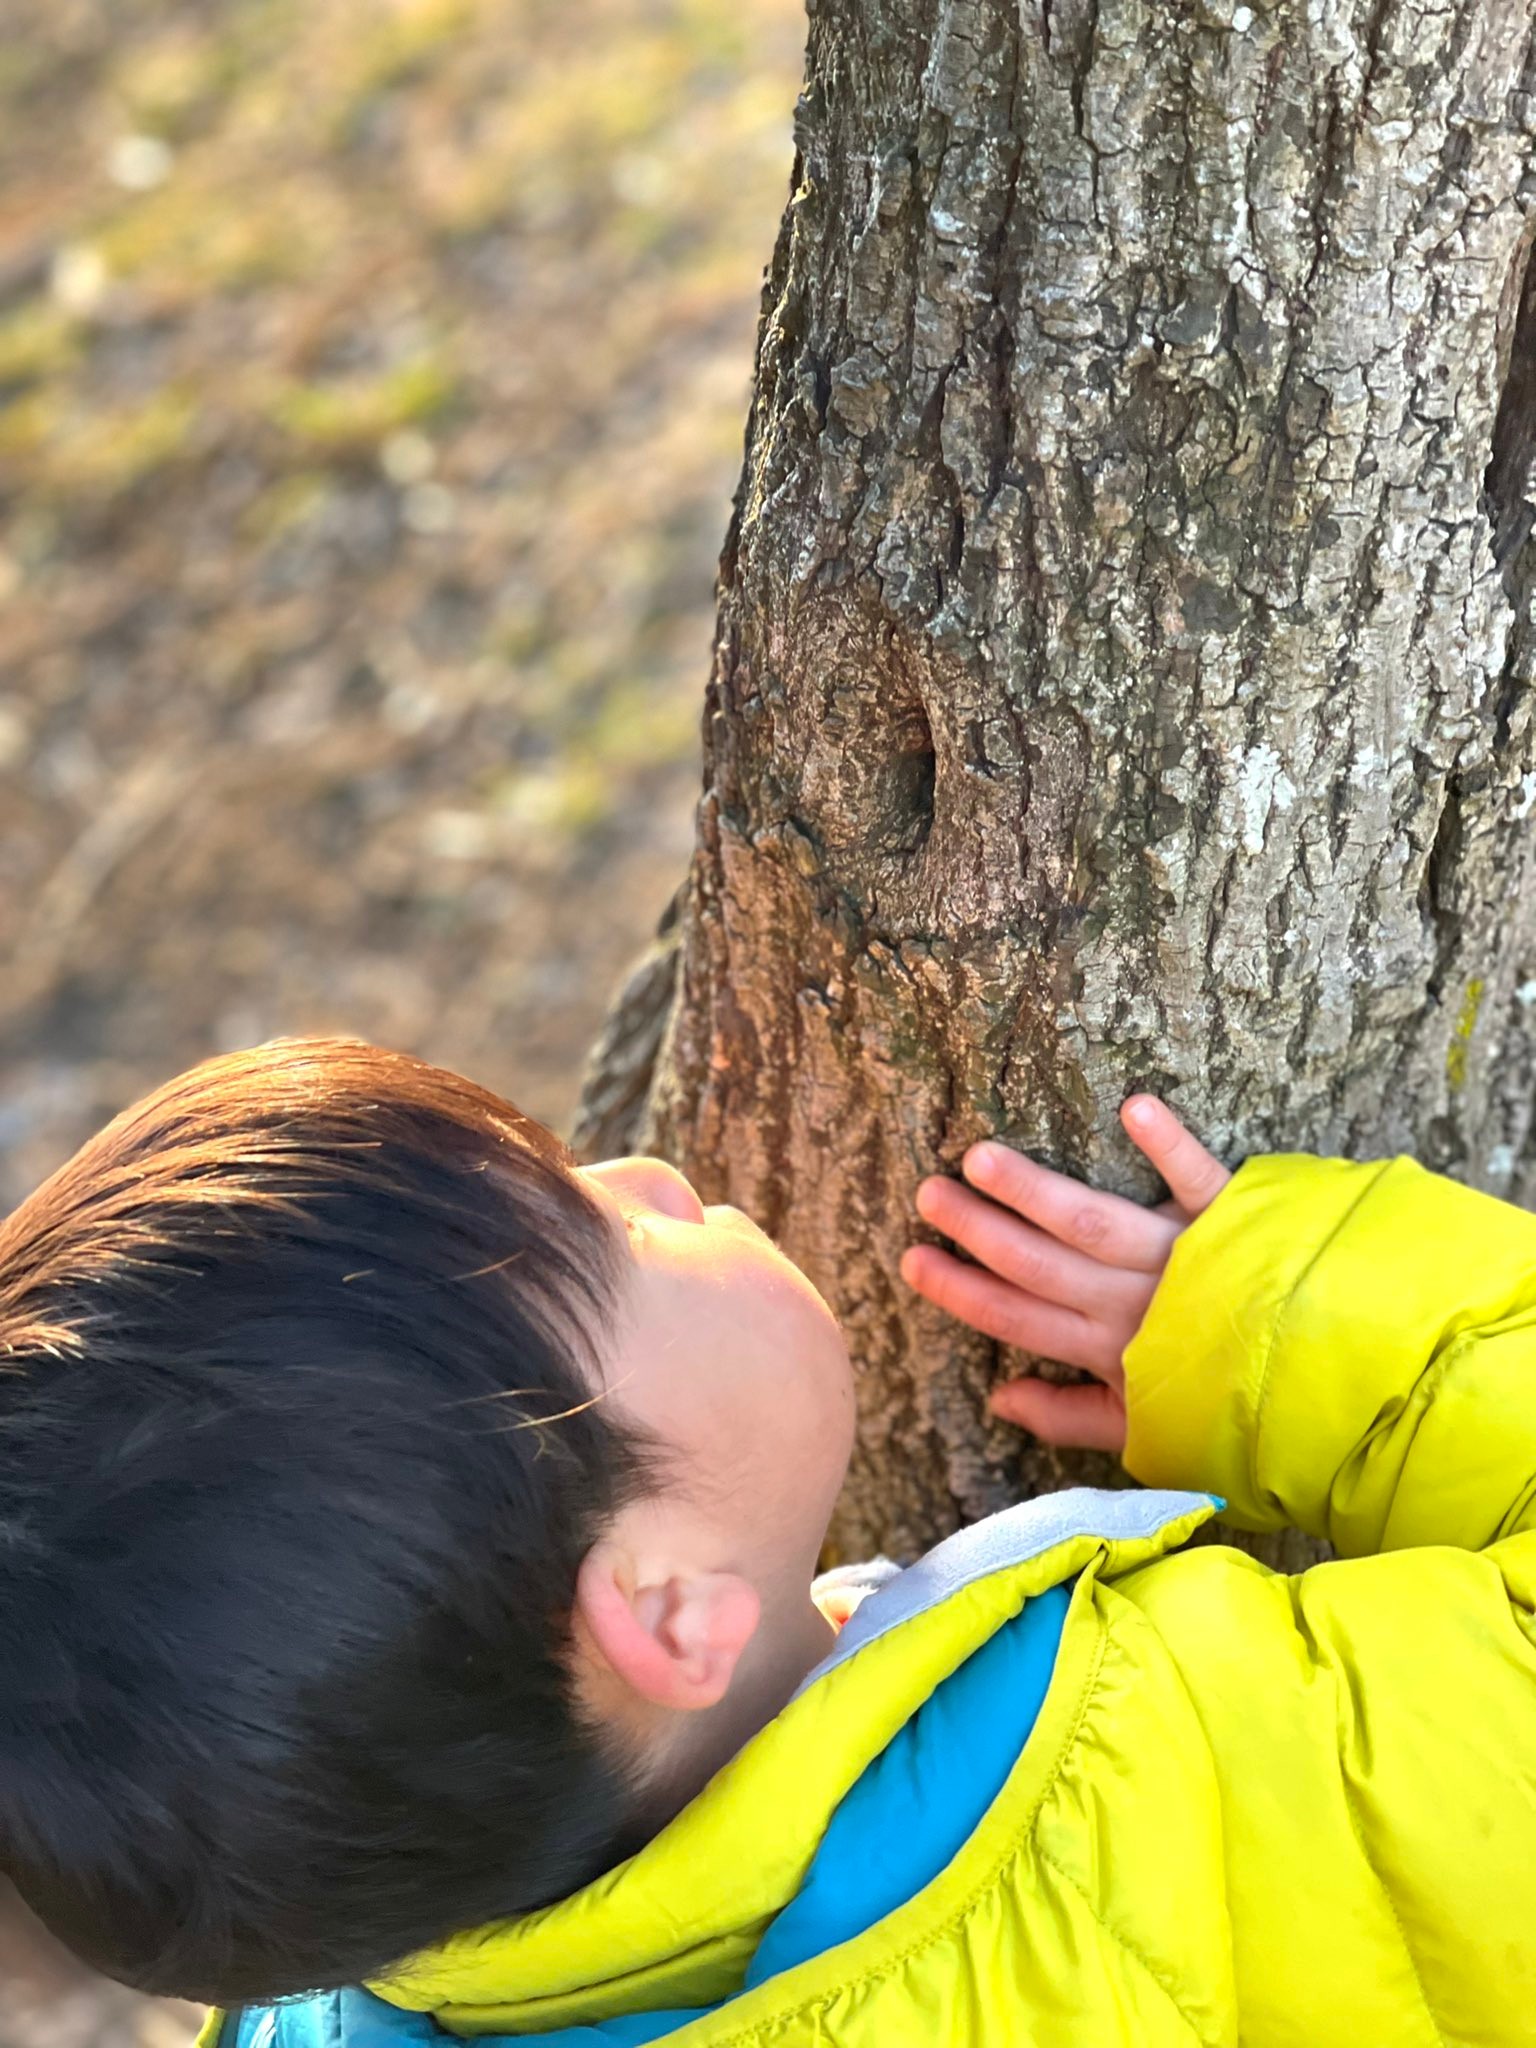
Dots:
(297, 1465)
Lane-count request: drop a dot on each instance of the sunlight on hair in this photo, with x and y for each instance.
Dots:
(540, 1421)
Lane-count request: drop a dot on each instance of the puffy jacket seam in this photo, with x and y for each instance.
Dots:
(1358, 1829)
(1030, 1831)
(1123, 1942)
(1282, 1312)
(1446, 1367)
(1420, 1398)
(984, 1884)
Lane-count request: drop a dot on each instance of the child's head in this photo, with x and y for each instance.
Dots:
(397, 1521)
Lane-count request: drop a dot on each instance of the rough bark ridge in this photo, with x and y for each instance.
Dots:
(1126, 643)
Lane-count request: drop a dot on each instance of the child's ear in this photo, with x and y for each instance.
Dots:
(675, 1642)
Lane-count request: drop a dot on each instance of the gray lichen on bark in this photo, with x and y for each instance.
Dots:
(1124, 664)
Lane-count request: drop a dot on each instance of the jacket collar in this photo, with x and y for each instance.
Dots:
(678, 1922)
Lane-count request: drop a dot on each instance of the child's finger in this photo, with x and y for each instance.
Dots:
(1087, 1418)
(1106, 1227)
(1030, 1258)
(1195, 1177)
(1004, 1312)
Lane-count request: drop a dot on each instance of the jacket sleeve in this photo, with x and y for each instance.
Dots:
(1349, 1349)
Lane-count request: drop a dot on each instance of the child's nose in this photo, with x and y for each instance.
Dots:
(655, 1182)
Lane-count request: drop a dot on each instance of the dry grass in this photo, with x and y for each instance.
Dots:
(372, 380)
(365, 456)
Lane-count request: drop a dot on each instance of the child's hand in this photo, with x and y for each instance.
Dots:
(1074, 1281)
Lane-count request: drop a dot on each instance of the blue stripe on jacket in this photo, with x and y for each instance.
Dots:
(910, 1811)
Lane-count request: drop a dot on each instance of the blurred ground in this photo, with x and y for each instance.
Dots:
(47, 1998)
(372, 383)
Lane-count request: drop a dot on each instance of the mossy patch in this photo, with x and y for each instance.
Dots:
(1461, 1038)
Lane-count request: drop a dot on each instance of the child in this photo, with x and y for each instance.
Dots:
(407, 1582)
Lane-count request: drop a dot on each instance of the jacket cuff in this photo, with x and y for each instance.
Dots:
(1196, 1373)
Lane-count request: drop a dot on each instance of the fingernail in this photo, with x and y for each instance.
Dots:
(982, 1162)
(1138, 1109)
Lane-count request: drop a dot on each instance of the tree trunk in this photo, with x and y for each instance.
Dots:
(1125, 654)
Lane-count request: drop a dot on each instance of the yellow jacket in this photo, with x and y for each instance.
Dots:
(1253, 1809)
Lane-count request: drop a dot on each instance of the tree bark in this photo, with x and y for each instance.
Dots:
(1125, 652)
